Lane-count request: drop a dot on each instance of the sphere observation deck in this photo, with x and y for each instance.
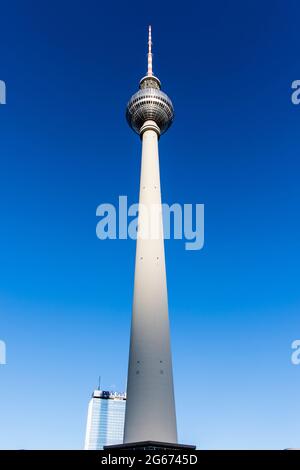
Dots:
(150, 103)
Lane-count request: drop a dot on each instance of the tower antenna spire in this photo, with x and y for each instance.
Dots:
(150, 72)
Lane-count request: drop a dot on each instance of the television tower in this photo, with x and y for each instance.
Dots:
(150, 408)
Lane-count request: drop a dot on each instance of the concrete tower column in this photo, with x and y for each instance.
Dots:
(150, 408)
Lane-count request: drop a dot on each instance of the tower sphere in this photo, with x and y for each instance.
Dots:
(150, 103)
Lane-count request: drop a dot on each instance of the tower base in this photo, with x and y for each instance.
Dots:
(151, 445)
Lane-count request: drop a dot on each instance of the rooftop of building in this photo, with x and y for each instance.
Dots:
(109, 395)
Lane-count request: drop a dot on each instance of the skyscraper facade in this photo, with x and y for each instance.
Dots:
(150, 409)
(105, 421)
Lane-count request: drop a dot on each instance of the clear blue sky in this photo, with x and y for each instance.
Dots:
(65, 147)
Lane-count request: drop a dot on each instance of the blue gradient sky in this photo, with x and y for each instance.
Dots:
(65, 296)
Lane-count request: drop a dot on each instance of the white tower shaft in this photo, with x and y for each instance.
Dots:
(150, 408)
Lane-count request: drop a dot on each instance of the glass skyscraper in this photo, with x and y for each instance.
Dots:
(105, 421)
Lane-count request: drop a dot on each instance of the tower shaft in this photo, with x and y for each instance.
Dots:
(150, 408)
